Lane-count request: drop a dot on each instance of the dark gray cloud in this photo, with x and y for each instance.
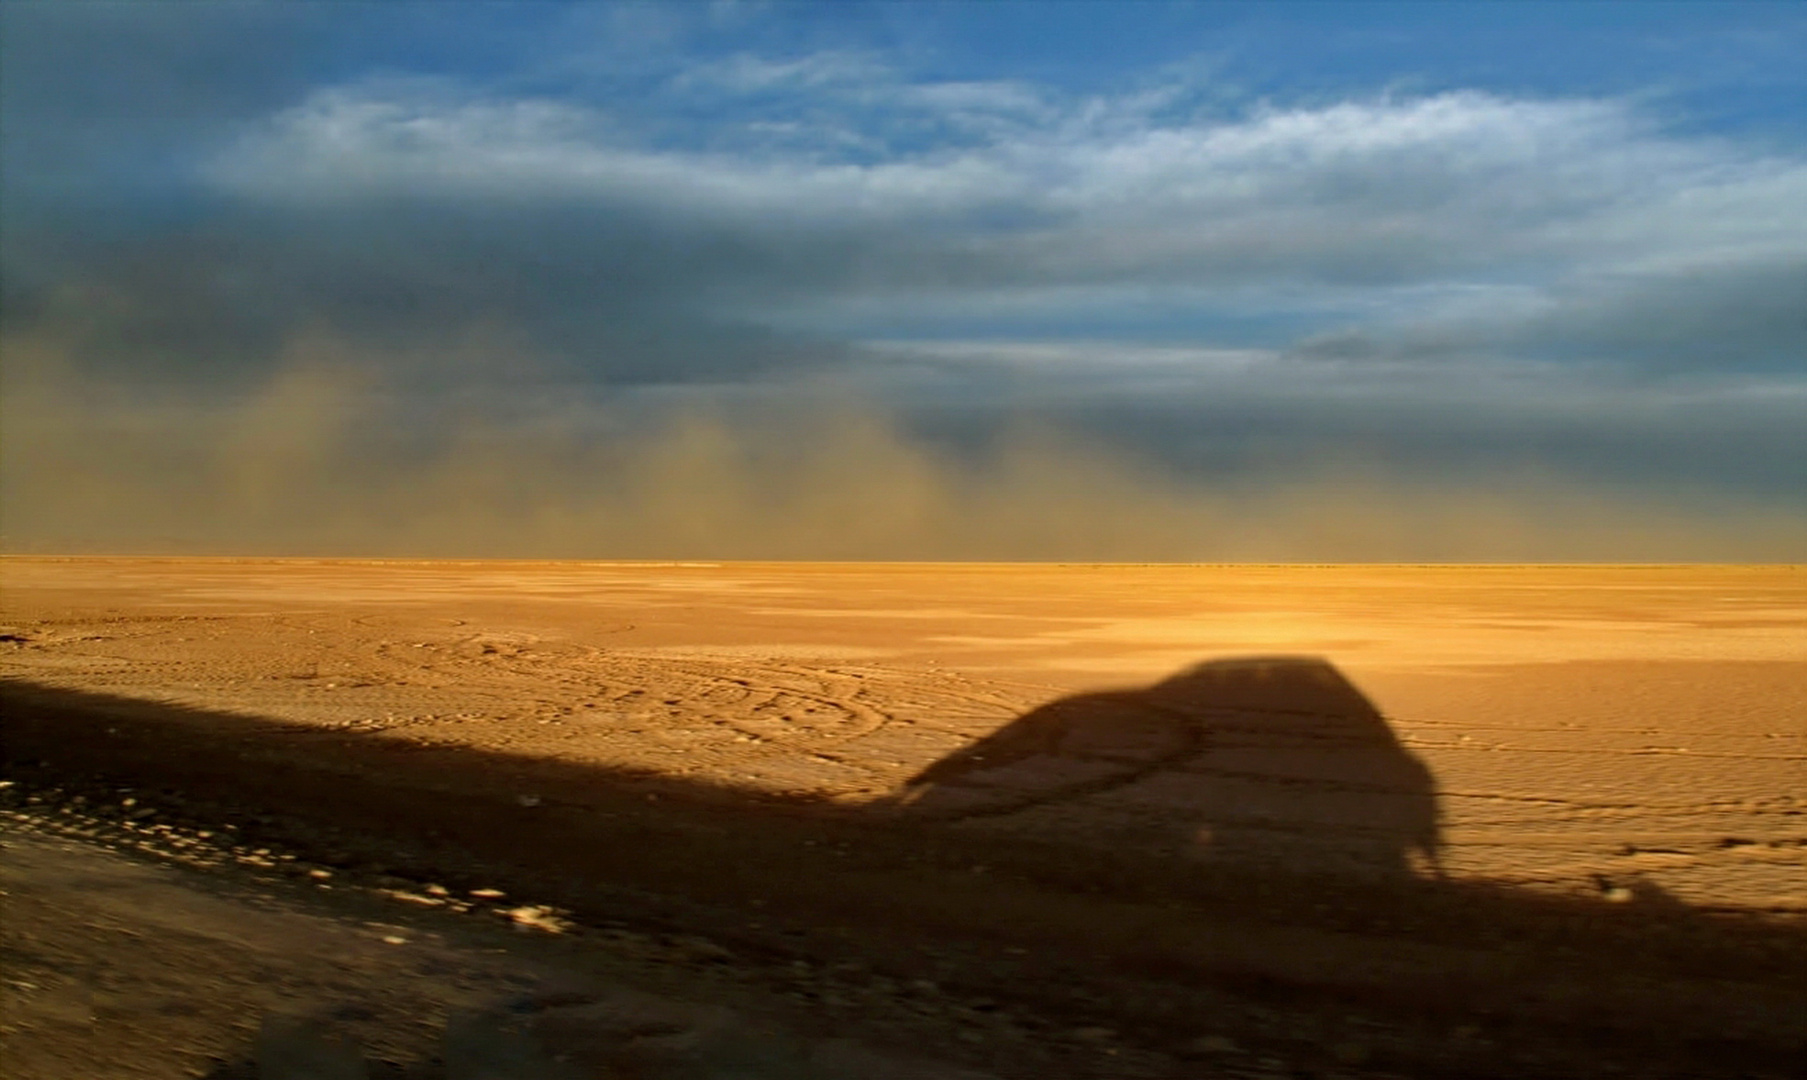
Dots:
(562, 294)
(1749, 315)
(101, 100)
(1248, 416)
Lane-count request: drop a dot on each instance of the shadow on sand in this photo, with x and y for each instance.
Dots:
(1233, 760)
(1267, 760)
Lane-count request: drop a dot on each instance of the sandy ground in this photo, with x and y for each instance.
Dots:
(1577, 724)
(1628, 741)
(121, 967)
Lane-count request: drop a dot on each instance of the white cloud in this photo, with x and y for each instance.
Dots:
(1454, 165)
(746, 73)
(1460, 213)
(343, 144)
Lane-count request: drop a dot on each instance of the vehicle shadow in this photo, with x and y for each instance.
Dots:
(1276, 772)
(1262, 760)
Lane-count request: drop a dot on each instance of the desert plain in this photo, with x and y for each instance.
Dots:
(1380, 820)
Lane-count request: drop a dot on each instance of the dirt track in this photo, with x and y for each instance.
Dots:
(1136, 871)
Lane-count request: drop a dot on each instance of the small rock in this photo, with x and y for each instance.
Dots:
(527, 800)
(413, 898)
(538, 917)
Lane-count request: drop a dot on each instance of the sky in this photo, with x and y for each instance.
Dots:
(1279, 281)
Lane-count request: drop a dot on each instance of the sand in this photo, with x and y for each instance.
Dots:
(1578, 727)
(1127, 821)
(125, 968)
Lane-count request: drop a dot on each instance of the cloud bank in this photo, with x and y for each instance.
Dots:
(326, 302)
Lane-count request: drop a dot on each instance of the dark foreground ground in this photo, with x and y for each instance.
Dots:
(189, 892)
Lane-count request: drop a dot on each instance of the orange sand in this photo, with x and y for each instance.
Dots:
(1583, 728)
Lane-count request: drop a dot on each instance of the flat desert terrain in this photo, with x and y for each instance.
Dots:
(1432, 800)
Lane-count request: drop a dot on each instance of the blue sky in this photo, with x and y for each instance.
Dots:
(1458, 247)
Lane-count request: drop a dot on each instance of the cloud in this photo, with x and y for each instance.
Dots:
(500, 263)
(96, 96)
(1232, 415)
(1579, 205)
(1528, 178)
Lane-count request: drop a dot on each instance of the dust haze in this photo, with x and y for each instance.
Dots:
(325, 457)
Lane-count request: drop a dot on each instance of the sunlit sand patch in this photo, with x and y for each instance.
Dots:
(928, 613)
(797, 651)
(1582, 724)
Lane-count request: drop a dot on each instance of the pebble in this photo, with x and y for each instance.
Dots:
(538, 917)
(413, 898)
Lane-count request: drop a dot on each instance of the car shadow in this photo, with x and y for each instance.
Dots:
(1270, 776)
(1260, 760)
